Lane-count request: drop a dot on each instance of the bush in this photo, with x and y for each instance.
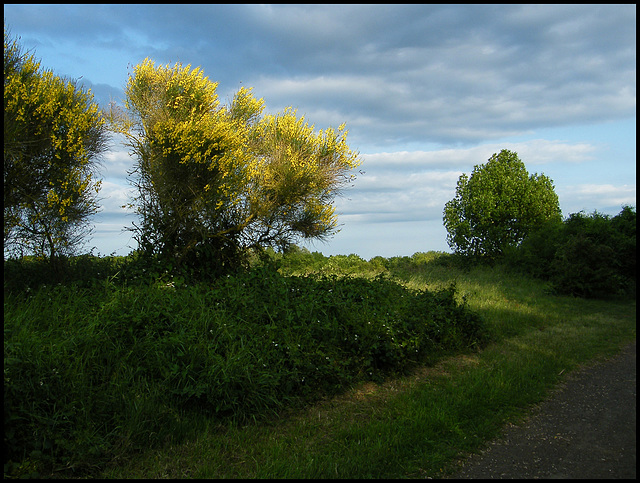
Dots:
(585, 268)
(536, 253)
(624, 227)
(91, 373)
(591, 256)
(31, 272)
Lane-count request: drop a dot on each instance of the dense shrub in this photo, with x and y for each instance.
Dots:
(537, 252)
(300, 261)
(94, 372)
(592, 256)
(624, 228)
(586, 268)
(31, 272)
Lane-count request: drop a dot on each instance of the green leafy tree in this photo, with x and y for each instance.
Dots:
(497, 206)
(53, 135)
(214, 180)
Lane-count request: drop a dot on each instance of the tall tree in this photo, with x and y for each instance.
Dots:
(213, 180)
(53, 136)
(497, 206)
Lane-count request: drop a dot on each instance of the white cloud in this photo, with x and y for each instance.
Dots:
(113, 196)
(607, 197)
(117, 163)
(539, 151)
(415, 185)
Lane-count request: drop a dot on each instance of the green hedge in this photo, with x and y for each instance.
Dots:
(96, 371)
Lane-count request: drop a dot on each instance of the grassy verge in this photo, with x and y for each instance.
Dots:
(417, 425)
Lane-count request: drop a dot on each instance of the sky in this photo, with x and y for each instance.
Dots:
(427, 92)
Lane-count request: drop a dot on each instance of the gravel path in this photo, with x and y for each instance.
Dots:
(587, 429)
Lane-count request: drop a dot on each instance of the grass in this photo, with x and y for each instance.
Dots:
(135, 366)
(421, 424)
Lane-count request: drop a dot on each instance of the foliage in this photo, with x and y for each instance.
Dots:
(215, 180)
(28, 274)
(624, 241)
(535, 255)
(96, 371)
(591, 256)
(118, 366)
(300, 261)
(429, 418)
(53, 134)
(497, 206)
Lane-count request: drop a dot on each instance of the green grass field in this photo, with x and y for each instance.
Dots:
(331, 367)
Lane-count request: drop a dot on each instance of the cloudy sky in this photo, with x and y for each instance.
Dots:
(427, 92)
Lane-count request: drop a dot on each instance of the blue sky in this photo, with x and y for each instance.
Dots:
(427, 92)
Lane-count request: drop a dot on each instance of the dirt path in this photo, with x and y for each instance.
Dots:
(587, 429)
